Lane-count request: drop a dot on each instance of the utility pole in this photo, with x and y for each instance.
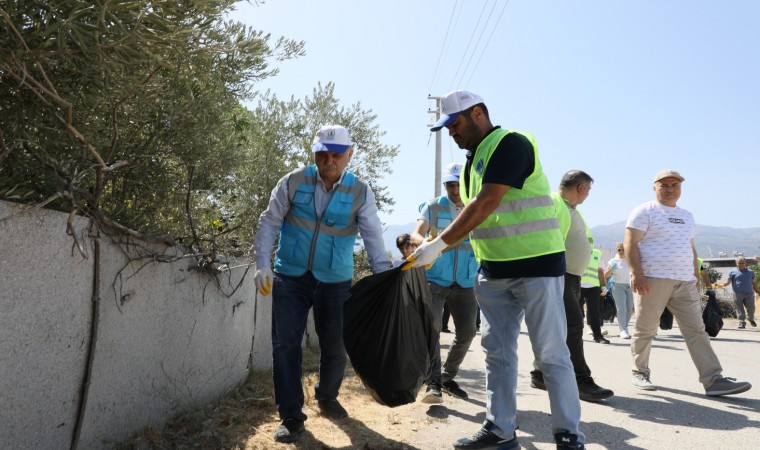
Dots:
(434, 115)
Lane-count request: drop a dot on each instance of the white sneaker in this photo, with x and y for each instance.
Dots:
(604, 332)
(624, 335)
(589, 332)
(642, 382)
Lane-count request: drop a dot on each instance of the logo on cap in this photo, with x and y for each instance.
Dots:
(331, 138)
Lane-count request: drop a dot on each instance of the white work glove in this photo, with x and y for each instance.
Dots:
(263, 280)
(426, 254)
(604, 290)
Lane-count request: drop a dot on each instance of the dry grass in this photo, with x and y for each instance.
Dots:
(246, 419)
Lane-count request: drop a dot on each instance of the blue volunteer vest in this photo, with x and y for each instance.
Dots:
(455, 265)
(329, 240)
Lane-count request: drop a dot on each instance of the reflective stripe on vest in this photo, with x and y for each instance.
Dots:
(457, 264)
(327, 240)
(525, 224)
(591, 275)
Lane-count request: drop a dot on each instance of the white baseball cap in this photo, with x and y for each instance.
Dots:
(331, 138)
(452, 104)
(451, 173)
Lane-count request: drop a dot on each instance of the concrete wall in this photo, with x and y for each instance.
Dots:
(44, 329)
(156, 338)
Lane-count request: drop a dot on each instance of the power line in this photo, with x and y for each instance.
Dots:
(482, 30)
(474, 69)
(468, 46)
(443, 46)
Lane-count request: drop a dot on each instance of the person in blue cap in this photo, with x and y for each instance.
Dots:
(317, 212)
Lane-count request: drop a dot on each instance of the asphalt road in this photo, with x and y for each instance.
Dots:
(676, 416)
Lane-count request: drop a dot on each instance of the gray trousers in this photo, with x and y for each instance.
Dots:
(742, 300)
(463, 308)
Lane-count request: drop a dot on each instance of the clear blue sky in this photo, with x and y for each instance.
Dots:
(620, 89)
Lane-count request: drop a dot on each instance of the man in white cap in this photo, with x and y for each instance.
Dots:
(659, 248)
(451, 279)
(317, 211)
(515, 234)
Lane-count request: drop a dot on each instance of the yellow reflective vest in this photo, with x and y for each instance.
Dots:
(525, 224)
(591, 274)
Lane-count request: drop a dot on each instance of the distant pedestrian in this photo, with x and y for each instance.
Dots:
(617, 268)
(593, 286)
(745, 286)
(659, 248)
(704, 276)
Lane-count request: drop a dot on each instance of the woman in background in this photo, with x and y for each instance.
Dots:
(617, 267)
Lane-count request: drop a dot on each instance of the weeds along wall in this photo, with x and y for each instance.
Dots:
(101, 338)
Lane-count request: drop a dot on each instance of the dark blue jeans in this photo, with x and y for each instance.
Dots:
(292, 297)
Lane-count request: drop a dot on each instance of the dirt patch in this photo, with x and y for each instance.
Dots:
(246, 419)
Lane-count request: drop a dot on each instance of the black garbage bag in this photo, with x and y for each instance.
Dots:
(389, 334)
(608, 308)
(666, 319)
(712, 315)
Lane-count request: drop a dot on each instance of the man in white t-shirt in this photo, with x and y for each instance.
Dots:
(659, 248)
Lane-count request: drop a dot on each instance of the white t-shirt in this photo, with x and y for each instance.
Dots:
(665, 249)
(619, 270)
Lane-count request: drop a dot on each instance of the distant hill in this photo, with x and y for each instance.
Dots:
(709, 240)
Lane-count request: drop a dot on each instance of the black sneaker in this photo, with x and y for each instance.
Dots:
(601, 340)
(592, 392)
(452, 388)
(289, 430)
(433, 394)
(485, 439)
(537, 380)
(741, 325)
(332, 409)
(752, 322)
(568, 441)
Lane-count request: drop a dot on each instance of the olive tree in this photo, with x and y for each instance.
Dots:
(127, 112)
(131, 113)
